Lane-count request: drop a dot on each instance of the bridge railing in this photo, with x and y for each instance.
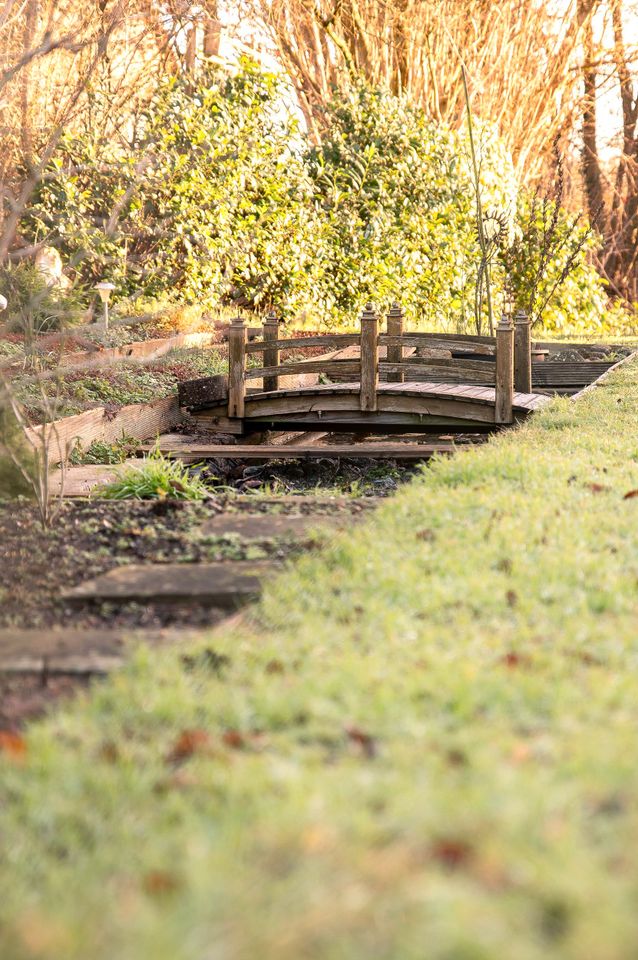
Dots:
(462, 359)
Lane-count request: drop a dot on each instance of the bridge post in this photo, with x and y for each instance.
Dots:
(271, 354)
(369, 359)
(237, 336)
(522, 353)
(504, 392)
(395, 329)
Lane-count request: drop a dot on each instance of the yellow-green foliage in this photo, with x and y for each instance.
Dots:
(13, 447)
(424, 748)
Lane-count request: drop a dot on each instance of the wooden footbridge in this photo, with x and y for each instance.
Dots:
(370, 380)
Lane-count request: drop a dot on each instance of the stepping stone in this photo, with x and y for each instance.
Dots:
(73, 650)
(261, 526)
(307, 503)
(226, 585)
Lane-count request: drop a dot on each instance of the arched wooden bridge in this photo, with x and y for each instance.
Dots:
(371, 380)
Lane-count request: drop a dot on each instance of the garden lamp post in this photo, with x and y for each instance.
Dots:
(105, 289)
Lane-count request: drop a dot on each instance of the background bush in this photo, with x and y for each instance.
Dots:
(219, 197)
(33, 306)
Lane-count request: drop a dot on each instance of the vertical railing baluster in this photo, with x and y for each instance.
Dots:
(271, 354)
(237, 336)
(504, 392)
(395, 353)
(522, 353)
(369, 358)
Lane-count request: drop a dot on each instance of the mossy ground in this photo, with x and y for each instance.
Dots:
(423, 743)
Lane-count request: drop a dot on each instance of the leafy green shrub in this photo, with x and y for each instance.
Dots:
(156, 477)
(397, 208)
(208, 201)
(548, 263)
(33, 306)
(218, 197)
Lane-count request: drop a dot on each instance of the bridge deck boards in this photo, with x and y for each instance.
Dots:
(462, 392)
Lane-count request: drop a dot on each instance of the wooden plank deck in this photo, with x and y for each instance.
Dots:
(464, 393)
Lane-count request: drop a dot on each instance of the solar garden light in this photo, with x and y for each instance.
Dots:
(105, 289)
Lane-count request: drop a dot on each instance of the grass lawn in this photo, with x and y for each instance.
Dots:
(425, 747)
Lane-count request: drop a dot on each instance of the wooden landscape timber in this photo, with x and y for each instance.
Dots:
(192, 452)
(101, 357)
(137, 420)
(600, 381)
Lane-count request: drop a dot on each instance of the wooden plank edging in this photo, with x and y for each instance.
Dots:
(137, 420)
(605, 375)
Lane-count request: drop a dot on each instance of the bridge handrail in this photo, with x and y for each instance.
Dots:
(337, 340)
(511, 348)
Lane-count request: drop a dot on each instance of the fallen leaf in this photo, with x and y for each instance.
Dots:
(109, 752)
(513, 660)
(233, 739)
(520, 753)
(426, 535)
(451, 853)
(631, 495)
(274, 666)
(363, 740)
(13, 745)
(159, 882)
(188, 743)
(512, 598)
(596, 487)
(456, 758)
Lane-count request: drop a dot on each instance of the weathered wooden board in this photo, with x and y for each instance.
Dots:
(82, 481)
(547, 374)
(449, 371)
(140, 350)
(439, 343)
(632, 358)
(138, 420)
(204, 390)
(225, 585)
(327, 367)
(263, 452)
(331, 340)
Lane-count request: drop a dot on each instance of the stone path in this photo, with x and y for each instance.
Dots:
(225, 585)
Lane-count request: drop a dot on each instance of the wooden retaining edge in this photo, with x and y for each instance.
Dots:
(140, 350)
(605, 375)
(138, 420)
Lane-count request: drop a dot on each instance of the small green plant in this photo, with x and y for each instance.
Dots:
(101, 452)
(157, 477)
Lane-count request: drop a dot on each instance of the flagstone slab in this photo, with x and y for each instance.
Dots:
(225, 585)
(262, 526)
(73, 649)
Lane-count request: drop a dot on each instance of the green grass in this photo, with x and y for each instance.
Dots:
(156, 477)
(424, 746)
